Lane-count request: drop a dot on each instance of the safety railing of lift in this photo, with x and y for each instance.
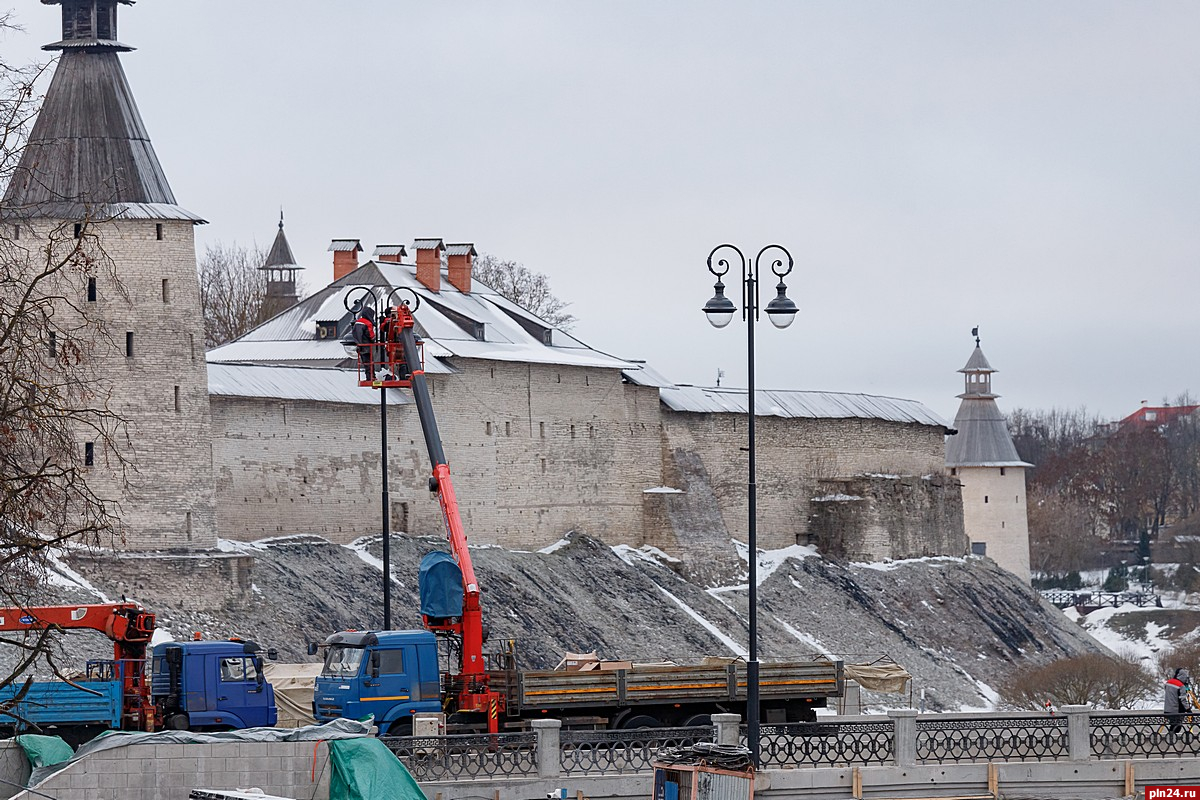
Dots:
(953, 738)
(1117, 734)
(622, 751)
(823, 743)
(440, 758)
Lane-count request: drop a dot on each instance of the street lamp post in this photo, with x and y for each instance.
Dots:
(781, 311)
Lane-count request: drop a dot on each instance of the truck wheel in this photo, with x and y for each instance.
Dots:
(639, 722)
(177, 722)
(698, 721)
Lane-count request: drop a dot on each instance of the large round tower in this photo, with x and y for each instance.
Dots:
(89, 164)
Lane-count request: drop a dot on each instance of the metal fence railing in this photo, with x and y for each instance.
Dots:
(594, 752)
(439, 758)
(825, 743)
(1126, 735)
(993, 738)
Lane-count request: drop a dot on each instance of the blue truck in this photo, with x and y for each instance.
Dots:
(210, 686)
(214, 685)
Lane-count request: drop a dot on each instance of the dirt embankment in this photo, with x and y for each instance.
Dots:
(958, 625)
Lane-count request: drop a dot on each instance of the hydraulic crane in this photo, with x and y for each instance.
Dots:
(128, 625)
(397, 354)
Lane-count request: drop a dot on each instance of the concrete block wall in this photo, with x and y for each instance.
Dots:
(792, 456)
(534, 451)
(14, 768)
(172, 771)
(165, 491)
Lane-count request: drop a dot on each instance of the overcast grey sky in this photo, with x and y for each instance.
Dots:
(1030, 167)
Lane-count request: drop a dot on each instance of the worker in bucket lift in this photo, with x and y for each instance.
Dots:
(363, 333)
(389, 338)
(1175, 699)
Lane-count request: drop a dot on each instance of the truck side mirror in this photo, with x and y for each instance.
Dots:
(273, 654)
(312, 649)
(375, 664)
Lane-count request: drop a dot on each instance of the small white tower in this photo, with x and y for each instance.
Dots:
(982, 456)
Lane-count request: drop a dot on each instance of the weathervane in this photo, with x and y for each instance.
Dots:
(975, 333)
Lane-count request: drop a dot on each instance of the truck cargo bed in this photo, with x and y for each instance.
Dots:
(54, 703)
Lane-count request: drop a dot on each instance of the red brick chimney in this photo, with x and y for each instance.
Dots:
(429, 263)
(392, 253)
(345, 256)
(459, 258)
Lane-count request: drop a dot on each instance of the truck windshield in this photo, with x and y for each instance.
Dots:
(342, 662)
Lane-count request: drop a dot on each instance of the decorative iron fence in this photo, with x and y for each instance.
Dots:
(992, 738)
(587, 752)
(439, 758)
(1145, 735)
(825, 743)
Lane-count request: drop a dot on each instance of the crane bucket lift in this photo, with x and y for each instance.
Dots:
(128, 625)
(397, 354)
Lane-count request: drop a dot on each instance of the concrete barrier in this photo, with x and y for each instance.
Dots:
(14, 768)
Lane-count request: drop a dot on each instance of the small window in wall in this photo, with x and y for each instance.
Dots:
(91, 290)
(89, 453)
(985, 498)
(979, 548)
(487, 428)
(954, 470)
(78, 230)
(1002, 472)
(1017, 499)
(508, 429)
(166, 290)
(187, 524)
(192, 345)
(1001, 524)
(543, 466)
(158, 231)
(558, 378)
(572, 431)
(542, 430)
(493, 372)
(178, 406)
(53, 344)
(129, 344)
(16, 232)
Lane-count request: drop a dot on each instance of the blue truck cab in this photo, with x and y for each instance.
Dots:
(204, 685)
(388, 674)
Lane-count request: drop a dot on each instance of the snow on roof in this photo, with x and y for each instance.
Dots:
(294, 383)
(314, 352)
(642, 374)
(798, 404)
(983, 439)
(343, 245)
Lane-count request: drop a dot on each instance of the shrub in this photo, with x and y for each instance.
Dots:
(1115, 682)
(1116, 580)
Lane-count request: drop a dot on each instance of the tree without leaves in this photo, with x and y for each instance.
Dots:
(51, 397)
(233, 291)
(1116, 682)
(523, 286)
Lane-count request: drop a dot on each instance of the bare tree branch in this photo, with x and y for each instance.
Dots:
(523, 286)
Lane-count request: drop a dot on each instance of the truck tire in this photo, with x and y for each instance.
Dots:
(640, 721)
(698, 721)
(177, 722)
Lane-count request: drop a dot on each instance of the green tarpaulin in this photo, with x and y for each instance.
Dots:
(45, 751)
(364, 769)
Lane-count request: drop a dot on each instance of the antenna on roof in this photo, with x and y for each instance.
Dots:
(720, 374)
(281, 218)
(975, 333)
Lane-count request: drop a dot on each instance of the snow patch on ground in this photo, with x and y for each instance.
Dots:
(160, 636)
(559, 545)
(733, 646)
(768, 561)
(806, 639)
(230, 546)
(881, 475)
(888, 566)
(59, 574)
(647, 554)
(835, 498)
(359, 546)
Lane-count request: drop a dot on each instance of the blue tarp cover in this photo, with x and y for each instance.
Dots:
(440, 580)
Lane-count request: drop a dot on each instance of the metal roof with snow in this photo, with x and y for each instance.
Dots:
(428, 244)
(344, 245)
(464, 249)
(983, 439)
(294, 383)
(798, 404)
(280, 255)
(977, 362)
(389, 250)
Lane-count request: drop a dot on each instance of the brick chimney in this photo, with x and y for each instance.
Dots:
(392, 253)
(459, 258)
(429, 263)
(345, 256)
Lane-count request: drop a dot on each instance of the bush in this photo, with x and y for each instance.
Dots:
(1097, 680)
(1116, 580)
(1070, 581)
